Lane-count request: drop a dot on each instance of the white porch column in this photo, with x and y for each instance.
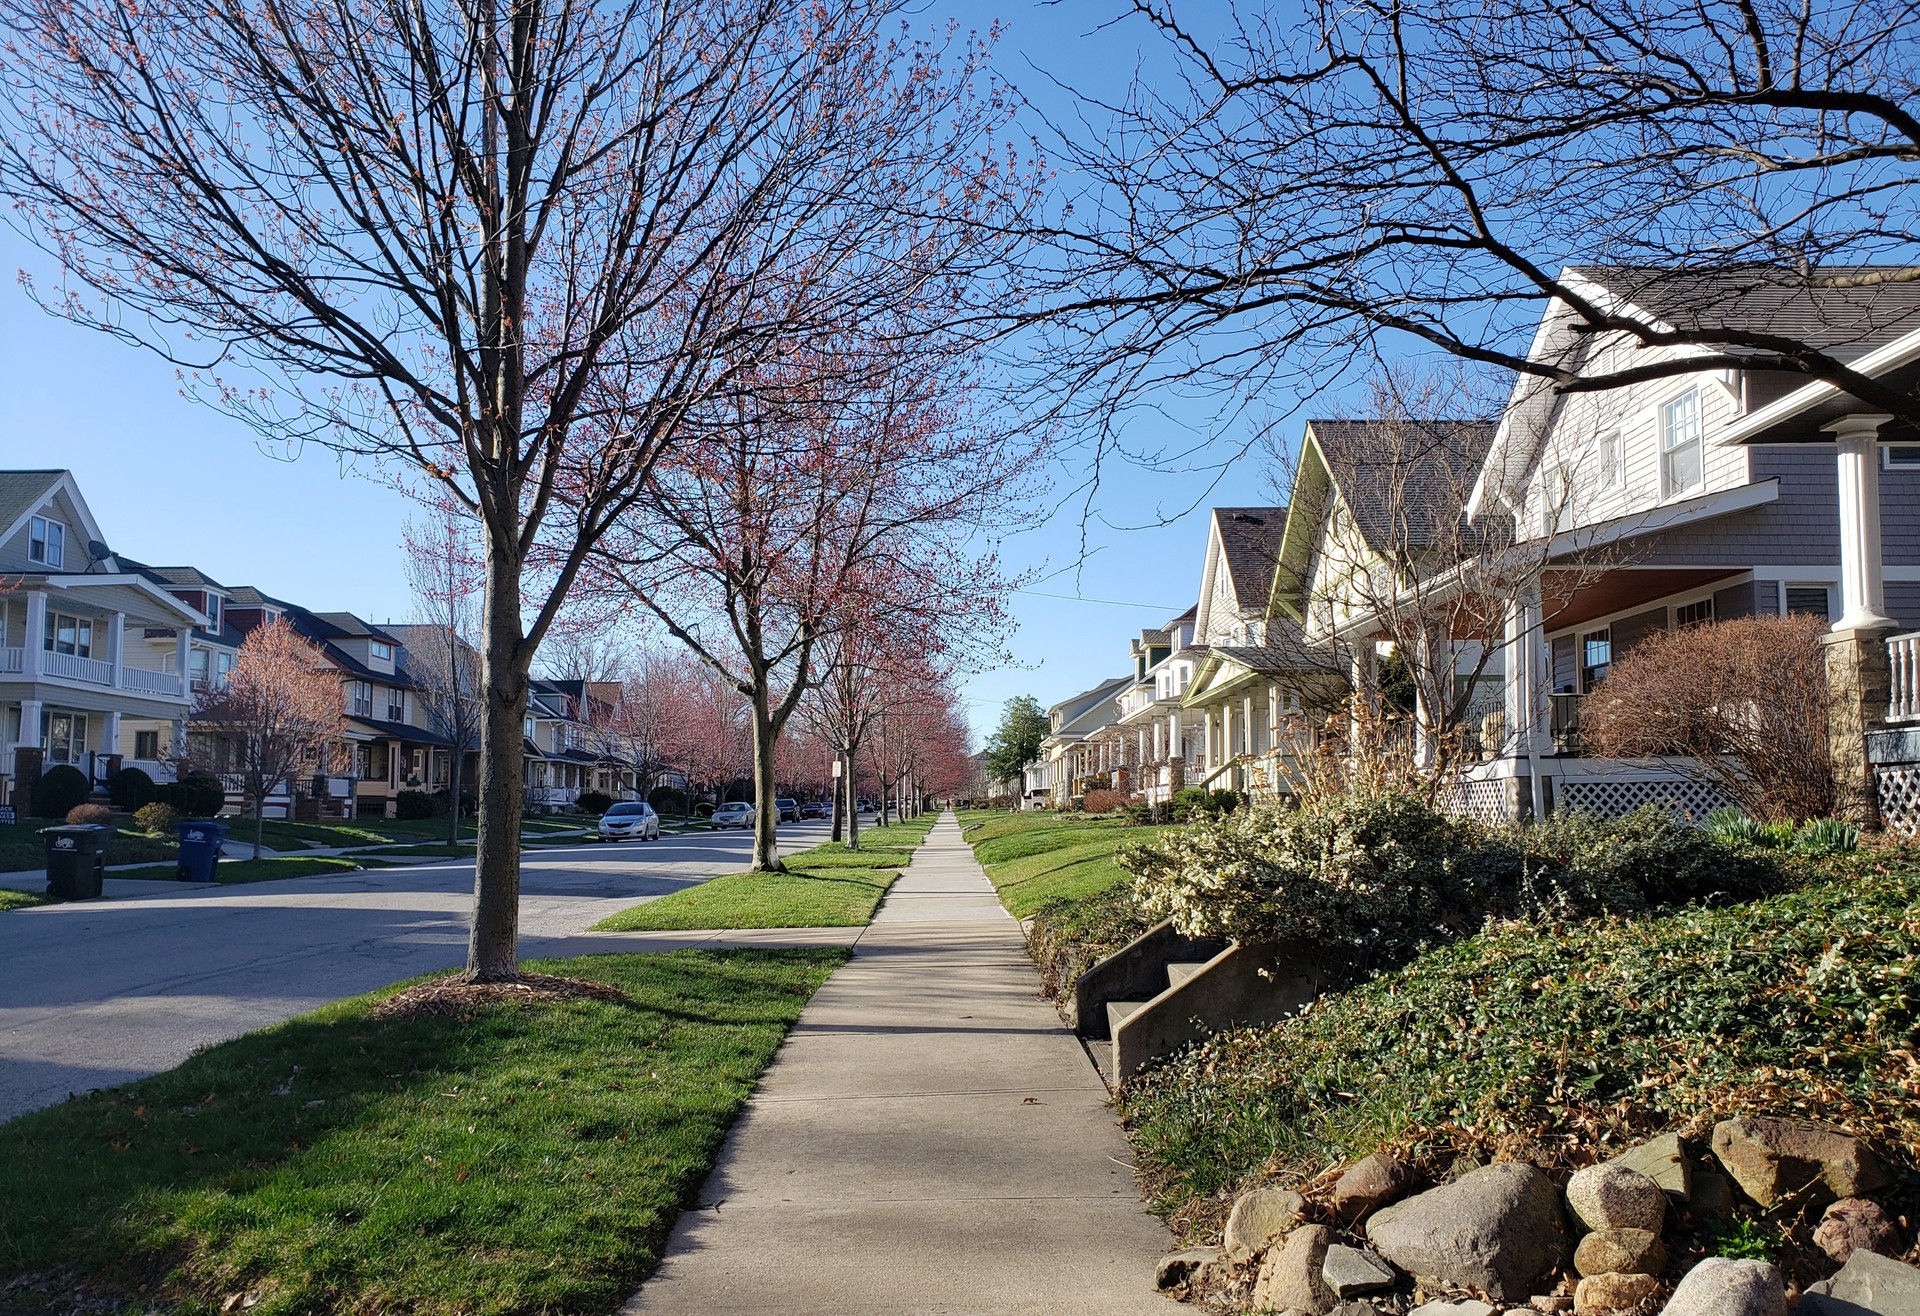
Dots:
(116, 648)
(34, 646)
(1360, 707)
(110, 734)
(182, 655)
(30, 710)
(179, 732)
(1248, 727)
(1863, 594)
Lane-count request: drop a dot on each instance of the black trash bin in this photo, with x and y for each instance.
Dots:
(76, 860)
(200, 850)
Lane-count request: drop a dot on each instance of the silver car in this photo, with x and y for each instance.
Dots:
(629, 819)
(735, 813)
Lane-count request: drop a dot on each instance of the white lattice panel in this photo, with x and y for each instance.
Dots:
(1483, 801)
(1690, 801)
(1899, 792)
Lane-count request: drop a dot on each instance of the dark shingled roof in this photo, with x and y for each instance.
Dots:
(1250, 542)
(1432, 463)
(1881, 303)
(20, 490)
(346, 625)
(179, 577)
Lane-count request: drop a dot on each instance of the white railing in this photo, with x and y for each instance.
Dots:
(1903, 657)
(147, 681)
(13, 660)
(75, 668)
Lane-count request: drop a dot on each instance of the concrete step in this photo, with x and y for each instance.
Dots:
(1118, 1011)
(1179, 972)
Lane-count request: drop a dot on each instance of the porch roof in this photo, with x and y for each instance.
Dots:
(1800, 415)
(1567, 601)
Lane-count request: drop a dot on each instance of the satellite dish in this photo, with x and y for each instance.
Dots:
(97, 550)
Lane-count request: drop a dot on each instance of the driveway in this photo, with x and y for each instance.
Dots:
(100, 992)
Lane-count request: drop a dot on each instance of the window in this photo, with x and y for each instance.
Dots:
(146, 745)
(46, 542)
(222, 669)
(360, 699)
(1596, 658)
(197, 660)
(69, 635)
(396, 705)
(1809, 600)
(1900, 454)
(382, 650)
(1680, 461)
(213, 612)
(1612, 469)
(66, 737)
(1693, 614)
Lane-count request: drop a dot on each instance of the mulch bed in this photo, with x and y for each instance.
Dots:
(453, 998)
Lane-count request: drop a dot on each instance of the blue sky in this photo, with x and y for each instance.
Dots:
(175, 482)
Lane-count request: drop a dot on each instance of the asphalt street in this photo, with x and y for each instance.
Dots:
(99, 992)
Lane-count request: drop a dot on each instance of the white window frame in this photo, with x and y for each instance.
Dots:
(1580, 664)
(1664, 423)
(1713, 613)
(50, 536)
(1607, 455)
(213, 612)
(380, 649)
(50, 640)
(1788, 585)
(1909, 462)
(76, 736)
(356, 705)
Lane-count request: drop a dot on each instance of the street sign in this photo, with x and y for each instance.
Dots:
(836, 767)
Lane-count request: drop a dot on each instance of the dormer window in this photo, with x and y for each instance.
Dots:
(382, 651)
(46, 542)
(213, 612)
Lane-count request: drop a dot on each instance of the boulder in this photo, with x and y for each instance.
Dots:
(1774, 1159)
(1720, 1286)
(1612, 1196)
(1466, 1307)
(1499, 1230)
(1355, 1309)
(1290, 1276)
(1853, 1224)
(1259, 1217)
(1176, 1268)
(1664, 1161)
(1603, 1293)
(1712, 1197)
(1620, 1252)
(1350, 1271)
(1868, 1285)
(1368, 1185)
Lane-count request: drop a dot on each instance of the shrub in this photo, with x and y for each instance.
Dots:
(1224, 801)
(443, 797)
(1190, 802)
(196, 795)
(703, 810)
(1579, 864)
(412, 806)
(593, 802)
(97, 814)
(1103, 801)
(130, 788)
(156, 819)
(59, 790)
(667, 801)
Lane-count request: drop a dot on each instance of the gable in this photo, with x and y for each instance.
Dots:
(58, 499)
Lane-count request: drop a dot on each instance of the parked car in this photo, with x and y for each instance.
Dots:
(787, 809)
(630, 818)
(735, 813)
(816, 809)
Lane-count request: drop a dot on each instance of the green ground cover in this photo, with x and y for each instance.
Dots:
(233, 872)
(515, 1159)
(440, 850)
(1534, 1039)
(824, 897)
(285, 835)
(22, 848)
(11, 899)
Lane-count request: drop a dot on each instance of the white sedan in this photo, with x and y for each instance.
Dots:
(628, 819)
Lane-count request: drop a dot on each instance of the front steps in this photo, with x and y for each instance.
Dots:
(1164, 991)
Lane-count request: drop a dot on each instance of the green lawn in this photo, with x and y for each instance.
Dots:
(437, 851)
(523, 1160)
(11, 899)
(285, 835)
(232, 872)
(22, 849)
(800, 898)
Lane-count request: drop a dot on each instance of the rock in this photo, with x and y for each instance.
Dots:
(1368, 1185)
(1354, 1270)
(1550, 1302)
(1259, 1217)
(1355, 1309)
(1662, 1160)
(1854, 1224)
(1469, 1307)
(1720, 1286)
(1712, 1194)
(1612, 1196)
(1774, 1159)
(1620, 1252)
(1868, 1285)
(1614, 1292)
(1290, 1276)
(1499, 1230)
(1176, 1268)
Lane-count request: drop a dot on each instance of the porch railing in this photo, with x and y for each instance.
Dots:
(13, 660)
(1903, 658)
(146, 681)
(1563, 722)
(75, 668)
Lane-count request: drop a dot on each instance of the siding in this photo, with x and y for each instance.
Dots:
(1629, 631)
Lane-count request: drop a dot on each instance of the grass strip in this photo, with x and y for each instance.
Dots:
(440, 851)
(523, 1159)
(11, 899)
(825, 897)
(234, 872)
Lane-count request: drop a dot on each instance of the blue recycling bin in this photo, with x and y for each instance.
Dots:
(200, 850)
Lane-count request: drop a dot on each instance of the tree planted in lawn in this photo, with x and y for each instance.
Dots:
(1015, 743)
(503, 246)
(279, 711)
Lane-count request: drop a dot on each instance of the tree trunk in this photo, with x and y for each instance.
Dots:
(853, 799)
(260, 820)
(493, 952)
(453, 796)
(766, 814)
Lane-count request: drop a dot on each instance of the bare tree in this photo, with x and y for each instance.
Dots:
(505, 246)
(1299, 190)
(279, 708)
(446, 572)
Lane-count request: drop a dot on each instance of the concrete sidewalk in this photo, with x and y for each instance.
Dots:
(930, 1139)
